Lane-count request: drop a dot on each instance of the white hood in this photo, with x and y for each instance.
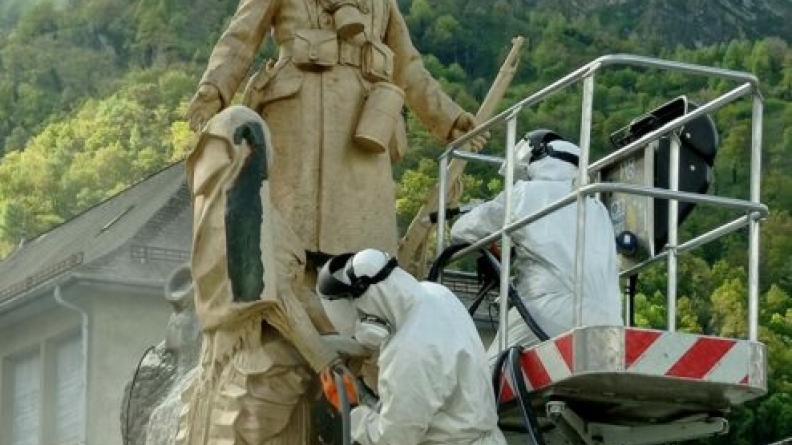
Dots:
(545, 259)
(392, 299)
(547, 169)
(552, 169)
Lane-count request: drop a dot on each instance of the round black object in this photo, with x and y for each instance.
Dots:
(627, 243)
(701, 135)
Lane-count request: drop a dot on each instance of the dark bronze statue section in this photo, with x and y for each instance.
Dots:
(244, 218)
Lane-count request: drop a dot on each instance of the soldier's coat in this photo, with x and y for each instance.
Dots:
(335, 196)
(255, 384)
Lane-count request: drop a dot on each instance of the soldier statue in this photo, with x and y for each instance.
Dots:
(273, 198)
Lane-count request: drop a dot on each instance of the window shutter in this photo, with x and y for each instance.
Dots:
(68, 397)
(25, 399)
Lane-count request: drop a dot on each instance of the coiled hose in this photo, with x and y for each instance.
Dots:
(514, 370)
(514, 297)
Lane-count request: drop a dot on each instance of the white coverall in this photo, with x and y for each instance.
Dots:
(434, 381)
(545, 249)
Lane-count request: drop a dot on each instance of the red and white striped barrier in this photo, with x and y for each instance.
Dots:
(632, 351)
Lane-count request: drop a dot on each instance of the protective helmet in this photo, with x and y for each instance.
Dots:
(535, 146)
(541, 147)
(350, 275)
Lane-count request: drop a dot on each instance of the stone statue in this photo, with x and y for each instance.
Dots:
(267, 213)
(261, 328)
(151, 403)
(183, 333)
(334, 189)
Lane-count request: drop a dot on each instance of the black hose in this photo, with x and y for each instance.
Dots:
(521, 391)
(480, 297)
(517, 302)
(497, 377)
(632, 291)
(131, 389)
(514, 297)
(443, 259)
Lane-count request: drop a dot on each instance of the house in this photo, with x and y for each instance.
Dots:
(80, 304)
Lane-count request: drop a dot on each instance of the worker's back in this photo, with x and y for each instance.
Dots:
(545, 249)
(545, 259)
(435, 364)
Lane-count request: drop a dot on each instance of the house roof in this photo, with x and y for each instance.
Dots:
(89, 236)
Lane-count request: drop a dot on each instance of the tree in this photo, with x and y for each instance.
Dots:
(729, 309)
(107, 146)
(91, 99)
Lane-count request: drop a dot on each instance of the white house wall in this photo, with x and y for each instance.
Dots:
(123, 326)
(37, 335)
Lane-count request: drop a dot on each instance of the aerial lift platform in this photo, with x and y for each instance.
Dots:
(621, 385)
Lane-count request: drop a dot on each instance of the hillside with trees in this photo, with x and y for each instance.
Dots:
(93, 93)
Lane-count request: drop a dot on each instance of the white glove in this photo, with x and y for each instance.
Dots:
(362, 417)
(345, 345)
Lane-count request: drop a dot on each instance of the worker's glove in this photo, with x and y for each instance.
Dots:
(361, 419)
(345, 346)
(203, 106)
(465, 123)
(330, 387)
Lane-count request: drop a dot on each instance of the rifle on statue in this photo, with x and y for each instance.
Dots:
(413, 246)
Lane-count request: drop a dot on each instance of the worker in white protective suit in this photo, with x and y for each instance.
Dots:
(544, 262)
(434, 382)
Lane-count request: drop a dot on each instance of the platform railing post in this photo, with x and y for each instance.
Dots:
(582, 181)
(627, 309)
(503, 322)
(753, 227)
(673, 234)
(441, 203)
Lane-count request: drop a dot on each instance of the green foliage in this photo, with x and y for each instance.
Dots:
(730, 313)
(92, 94)
(104, 147)
(58, 53)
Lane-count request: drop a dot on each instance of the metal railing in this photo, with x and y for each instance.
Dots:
(144, 253)
(753, 209)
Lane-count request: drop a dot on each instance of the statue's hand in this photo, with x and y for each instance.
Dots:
(205, 104)
(465, 123)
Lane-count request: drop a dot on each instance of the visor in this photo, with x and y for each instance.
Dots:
(331, 287)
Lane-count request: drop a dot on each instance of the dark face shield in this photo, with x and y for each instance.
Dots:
(540, 143)
(330, 283)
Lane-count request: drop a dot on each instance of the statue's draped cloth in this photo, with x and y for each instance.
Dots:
(255, 384)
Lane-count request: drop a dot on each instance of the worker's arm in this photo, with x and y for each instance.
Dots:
(481, 221)
(411, 390)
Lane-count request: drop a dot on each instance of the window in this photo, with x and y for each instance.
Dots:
(44, 397)
(25, 399)
(67, 391)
